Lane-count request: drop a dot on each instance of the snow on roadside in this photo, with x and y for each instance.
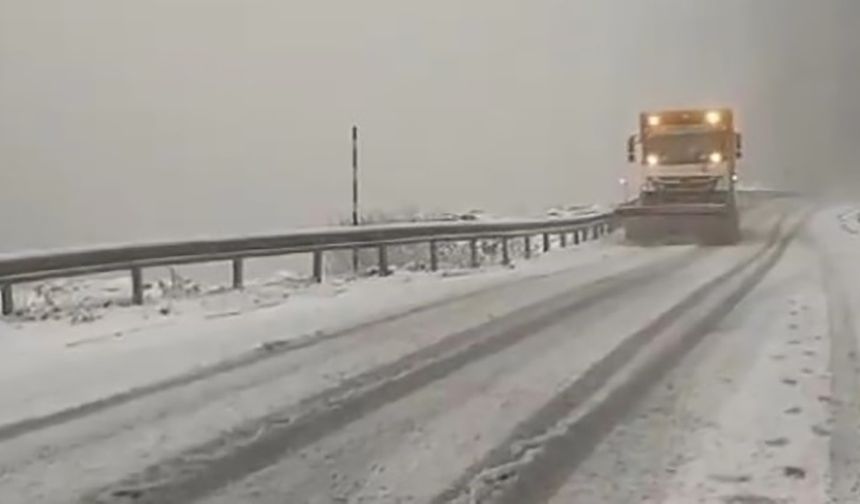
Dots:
(742, 419)
(50, 365)
(85, 300)
(571, 211)
(769, 438)
(836, 236)
(849, 220)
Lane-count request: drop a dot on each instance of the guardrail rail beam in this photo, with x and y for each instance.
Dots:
(136, 257)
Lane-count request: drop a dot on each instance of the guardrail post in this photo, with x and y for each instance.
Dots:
(546, 243)
(595, 232)
(576, 236)
(318, 266)
(434, 255)
(7, 299)
(506, 252)
(563, 238)
(383, 261)
(136, 285)
(473, 253)
(238, 274)
(528, 247)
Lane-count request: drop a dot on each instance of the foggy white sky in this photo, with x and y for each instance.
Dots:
(135, 120)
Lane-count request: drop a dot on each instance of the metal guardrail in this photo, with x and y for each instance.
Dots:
(134, 258)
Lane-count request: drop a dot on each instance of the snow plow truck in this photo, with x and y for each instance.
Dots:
(686, 177)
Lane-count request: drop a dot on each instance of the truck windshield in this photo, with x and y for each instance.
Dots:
(686, 148)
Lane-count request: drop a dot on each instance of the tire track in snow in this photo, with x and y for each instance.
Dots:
(267, 350)
(197, 473)
(845, 438)
(536, 460)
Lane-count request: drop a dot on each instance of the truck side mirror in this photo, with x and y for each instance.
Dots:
(631, 149)
(739, 145)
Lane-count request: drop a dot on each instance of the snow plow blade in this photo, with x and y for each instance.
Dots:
(705, 224)
(685, 209)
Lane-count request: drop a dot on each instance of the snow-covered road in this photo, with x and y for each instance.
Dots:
(604, 374)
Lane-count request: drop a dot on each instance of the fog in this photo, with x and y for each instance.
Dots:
(162, 119)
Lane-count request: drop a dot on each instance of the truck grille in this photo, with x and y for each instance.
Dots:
(685, 184)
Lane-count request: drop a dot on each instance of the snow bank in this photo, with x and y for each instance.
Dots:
(85, 300)
(573, 211)
(849, 220)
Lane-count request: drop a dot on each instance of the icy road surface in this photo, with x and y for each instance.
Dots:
(609, 374)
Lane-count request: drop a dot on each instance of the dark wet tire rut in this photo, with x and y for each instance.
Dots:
(208, 468)
(552, 461)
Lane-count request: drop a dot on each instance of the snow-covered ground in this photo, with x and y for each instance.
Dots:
(73, 456)
(744, 417)
(421, 443)
(474, 378)
(766, 409)
(570, 211)
(51, 364)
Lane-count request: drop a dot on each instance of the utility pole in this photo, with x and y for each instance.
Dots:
(355, 175)
(355, 192)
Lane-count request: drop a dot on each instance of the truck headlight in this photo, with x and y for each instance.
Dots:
(713, 117)
(654, 120)
(652, 159)
(716, 157)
